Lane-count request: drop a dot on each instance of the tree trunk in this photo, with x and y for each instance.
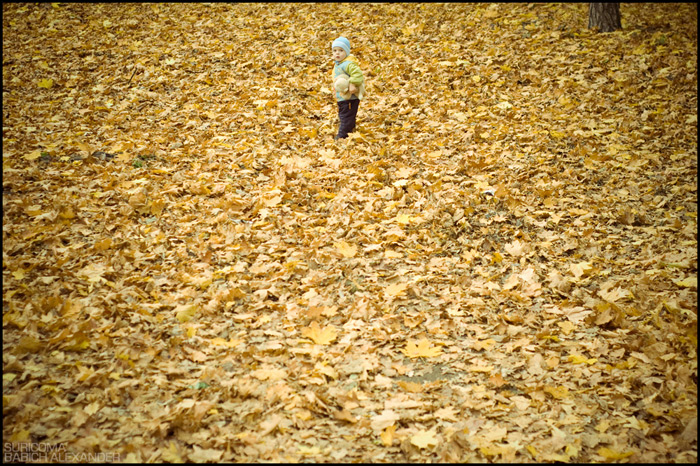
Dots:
(604, 16)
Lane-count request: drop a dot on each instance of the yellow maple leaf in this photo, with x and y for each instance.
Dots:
(218, 341)
(78, 342)
(309, 451)
(578, 359)
(388, 435)
(581, 269)
(690, 282)
(559, 393)
(320, 336)
(45, 83)
(483, 344)
(93, 272)
(269, 374)
(205, 455)
(566, 327)
(491, 450)
(125, 157)
(346, 249)
(185, 313)
(532, 450)
(557, 134)
(33, 155)
(481, 367)
(422, 349)
(611, 454)
(516, 248)
(20, 436)
(571, 451)
(33, 210)
(92, 408)
(403, 219)
(390, 254)
(171, 454)
(424, 439)
(615, 294)
(386, 419)
(395, 289)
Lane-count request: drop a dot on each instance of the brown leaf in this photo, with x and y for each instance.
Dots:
(345, 415)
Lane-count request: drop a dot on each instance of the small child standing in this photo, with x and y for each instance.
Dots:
(346, 66)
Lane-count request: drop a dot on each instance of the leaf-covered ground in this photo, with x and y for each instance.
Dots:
(500, 265)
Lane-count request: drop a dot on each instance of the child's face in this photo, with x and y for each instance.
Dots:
(338, 53)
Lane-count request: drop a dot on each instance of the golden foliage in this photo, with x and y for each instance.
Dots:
(499, 265)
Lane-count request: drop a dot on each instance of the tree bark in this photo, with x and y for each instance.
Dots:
(604, 16)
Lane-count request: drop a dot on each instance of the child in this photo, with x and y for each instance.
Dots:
(346, 64)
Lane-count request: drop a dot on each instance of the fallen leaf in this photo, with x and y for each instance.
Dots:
(579, 359)
(395, 289)
(320, 336)
(347, 250)
(613, 454)
(689, 282)
(561, 392)
(345, 415)
(581, 269)
(205, 455)
(33, 155)
(269, 374)
(447, 413)
(422, 349)
(29, 344)
(497, 380)
(387, 436)
(173, 224)
(516, 248)
(386, 419)
(424, 439)
(231, 343)
(566, 327)
(171, 454)
(480, 345)
(309, 451)
(411, 387)
(185, 312)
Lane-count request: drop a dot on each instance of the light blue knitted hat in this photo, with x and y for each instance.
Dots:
(343, 43)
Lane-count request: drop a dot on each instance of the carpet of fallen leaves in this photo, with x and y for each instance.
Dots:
(500, 265)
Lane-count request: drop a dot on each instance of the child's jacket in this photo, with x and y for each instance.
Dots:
(350, 67)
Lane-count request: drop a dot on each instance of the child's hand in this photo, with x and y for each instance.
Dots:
(352, 89)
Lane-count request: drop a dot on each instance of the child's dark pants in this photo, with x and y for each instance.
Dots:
(347, 112)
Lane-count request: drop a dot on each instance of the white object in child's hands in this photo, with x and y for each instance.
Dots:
(342, 86)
